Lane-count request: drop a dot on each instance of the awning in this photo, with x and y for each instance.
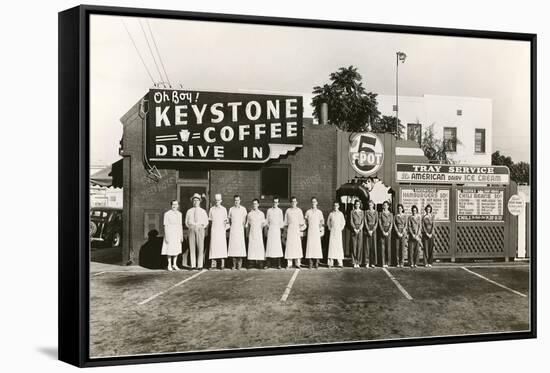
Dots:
(409, 151)
(110, 176)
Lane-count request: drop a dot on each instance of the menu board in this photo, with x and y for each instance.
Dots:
(437, 198)
(479, 205)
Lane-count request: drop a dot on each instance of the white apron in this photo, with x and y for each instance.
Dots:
(274, 247)
(237, 218)
(255, 221)
(336, 223)
(173, 233)
(218, 242)
(314, 225)
(294, 218)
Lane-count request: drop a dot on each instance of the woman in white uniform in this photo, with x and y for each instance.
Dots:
(255, 222)
(173, 235)
(315, 223)
(237, 246)
(275, 222)
(336, 223)
(218, 241)
(294, 221)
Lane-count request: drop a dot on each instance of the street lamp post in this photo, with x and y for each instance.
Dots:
(399, 57)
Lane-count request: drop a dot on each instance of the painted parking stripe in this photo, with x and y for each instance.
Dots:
(494, 282)
(398, 285)
(289, 286)
(483, 266)
(146, 271)
(171, 287)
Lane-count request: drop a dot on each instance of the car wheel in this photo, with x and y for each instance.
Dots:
(116, 240)
(93, 228)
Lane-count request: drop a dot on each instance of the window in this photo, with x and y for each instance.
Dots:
(480, 140)
(275, 181)
(459, 112)
(99, 213)
(414, 132)
(193, 174)
(449, 139)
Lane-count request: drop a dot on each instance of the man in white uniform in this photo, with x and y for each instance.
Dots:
(315, 224)
(295, 223)
(336, 223)
(196, 220)
(255, 223)
(275, 222)
(237, 220)
(218, 241)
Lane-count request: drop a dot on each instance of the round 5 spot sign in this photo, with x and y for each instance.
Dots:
(515, 205)
(366, 153)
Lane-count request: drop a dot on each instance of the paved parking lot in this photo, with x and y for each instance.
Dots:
(135, 311)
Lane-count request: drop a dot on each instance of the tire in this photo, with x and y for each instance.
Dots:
(116, 240)
(93, 228)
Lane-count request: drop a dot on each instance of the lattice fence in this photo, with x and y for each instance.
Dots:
(480, 239)
(442, 240)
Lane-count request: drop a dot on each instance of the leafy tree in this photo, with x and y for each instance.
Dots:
(351, 107)
(386, 123)
(519, 172)
(434, 148)
(498, 159)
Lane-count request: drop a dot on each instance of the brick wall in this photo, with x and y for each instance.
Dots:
(142, 195)
(312, 169)
(313, 172)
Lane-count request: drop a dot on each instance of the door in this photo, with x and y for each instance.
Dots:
(185, 192)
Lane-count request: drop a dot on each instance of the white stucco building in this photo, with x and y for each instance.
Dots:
(469, 120)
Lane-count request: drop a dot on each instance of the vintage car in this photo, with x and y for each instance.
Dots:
(106, 226)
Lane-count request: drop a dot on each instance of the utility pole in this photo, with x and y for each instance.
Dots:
(399, 56)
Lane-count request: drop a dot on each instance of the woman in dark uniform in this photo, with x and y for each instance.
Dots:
(371, 223)
(356, 218)
(428, 225)
(400, 226)
(415, 231)
(385, 225)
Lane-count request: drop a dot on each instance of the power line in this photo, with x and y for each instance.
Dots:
(139, 54)
(158, 53)
(150, 50)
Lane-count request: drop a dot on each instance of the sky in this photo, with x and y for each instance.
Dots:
(235, 57)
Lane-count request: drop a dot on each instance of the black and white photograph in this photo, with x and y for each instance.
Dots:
(275, 186)
(268, 186)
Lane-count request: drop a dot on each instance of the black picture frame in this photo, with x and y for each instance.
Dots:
(73, 181)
